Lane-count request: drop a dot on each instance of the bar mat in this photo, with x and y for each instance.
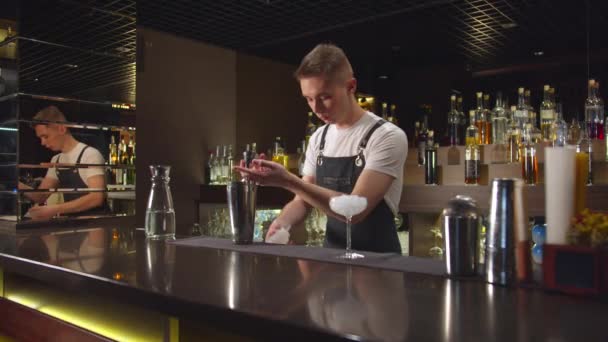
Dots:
(389, 261)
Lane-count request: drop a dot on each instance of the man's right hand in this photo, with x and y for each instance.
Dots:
(274, 226)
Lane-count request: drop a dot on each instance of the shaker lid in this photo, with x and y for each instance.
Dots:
(461, 206)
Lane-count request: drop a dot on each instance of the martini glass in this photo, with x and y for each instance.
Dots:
(348, 206)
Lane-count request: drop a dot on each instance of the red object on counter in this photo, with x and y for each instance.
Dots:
(576, 270)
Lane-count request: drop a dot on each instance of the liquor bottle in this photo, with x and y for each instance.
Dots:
(536, 134)
(416, 133)
(547, 114)
(124, 160)
(481, 121)
(600, 103)
(392, 117)
(521, 112)
(254, 150)
(529, 164)
(218, 165)
(120, 158)
(430, 166)
(514, 143)
(594, 112)
(499, 121)
(278, 154)
(488, 119)
(310, 126)
(385, 111)
(559, 128)
(531, 111)
(499, 131)
(463, 120)
(210, 169)
(574, 132)
(453, 123)
(472, 157)
(585, 145)
(113, 159)
(225, 167)
(421, 143)
(131, 160)
(230, 172)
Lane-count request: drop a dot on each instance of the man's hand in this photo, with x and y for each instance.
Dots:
(43, 212)
(265, 172)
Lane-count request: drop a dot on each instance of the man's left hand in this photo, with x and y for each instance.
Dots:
(42, 212)
(265, 172)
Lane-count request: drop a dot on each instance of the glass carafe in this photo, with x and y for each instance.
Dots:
(160, 215)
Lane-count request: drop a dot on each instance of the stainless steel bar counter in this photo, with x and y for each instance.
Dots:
(240, 295)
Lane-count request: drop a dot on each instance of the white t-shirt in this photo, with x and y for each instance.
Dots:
(386, 151)
(90, 156)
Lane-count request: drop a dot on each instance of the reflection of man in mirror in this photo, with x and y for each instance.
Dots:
(57, 137)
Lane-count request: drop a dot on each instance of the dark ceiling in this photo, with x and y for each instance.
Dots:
(388, 33)
(93, 42)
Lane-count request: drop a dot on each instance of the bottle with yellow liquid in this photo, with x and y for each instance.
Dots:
(392, 117)
(514, 140)
(529, 161)
(113, 158)
(278, 154)
(472, 153)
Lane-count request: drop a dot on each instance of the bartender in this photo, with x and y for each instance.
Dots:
(57, 137)
(355, 152)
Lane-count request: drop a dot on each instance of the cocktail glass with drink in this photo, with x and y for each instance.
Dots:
(348, 206)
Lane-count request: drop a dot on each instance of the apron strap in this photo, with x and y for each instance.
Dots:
(81, 153)
(363, 143)
(322, 145)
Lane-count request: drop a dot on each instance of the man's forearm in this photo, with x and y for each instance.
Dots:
(36, 197)
(86, 202)
(314, 195)
(293, 213)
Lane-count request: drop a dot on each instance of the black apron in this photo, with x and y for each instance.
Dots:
(70, 178)
(377, 232)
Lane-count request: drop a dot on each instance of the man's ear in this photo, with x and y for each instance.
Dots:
(62, 129)
(351, 85)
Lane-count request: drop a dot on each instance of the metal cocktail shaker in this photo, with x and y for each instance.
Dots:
(241, 204)
(461, 226)
(507, 257)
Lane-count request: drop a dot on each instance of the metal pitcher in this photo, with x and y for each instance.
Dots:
(241, 204)
(461, 226)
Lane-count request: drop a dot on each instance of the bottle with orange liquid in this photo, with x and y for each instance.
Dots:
(529, 161)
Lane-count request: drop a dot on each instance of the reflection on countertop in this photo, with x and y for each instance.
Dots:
(302, 296)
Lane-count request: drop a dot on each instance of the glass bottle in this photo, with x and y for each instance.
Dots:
(529, 161)
(301, 158)
(472, 153)
(514, 139)
(210, 169)
(131, 160)
(574, 132)
(480, 118)
(416, 133)
(559, 128)
(218, 165)
(224, 167)
(463, 119)
(230, 162)
(499, 120)
(593, 111)
(600, 112)
(278, 154)
(160, 215)
(113, 158)
(521, 111)
(453, 123)
(536, 134)
(421, 143)
(488, 119)
(430, 166)
(585, 145)
(547, 114)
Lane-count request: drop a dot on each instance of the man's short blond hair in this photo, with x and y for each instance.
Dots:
(326, 60)
(50, 113)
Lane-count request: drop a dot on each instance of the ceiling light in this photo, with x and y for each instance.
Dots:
(539, 53)
(383, 77)
(71, 66)
(508, 25)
